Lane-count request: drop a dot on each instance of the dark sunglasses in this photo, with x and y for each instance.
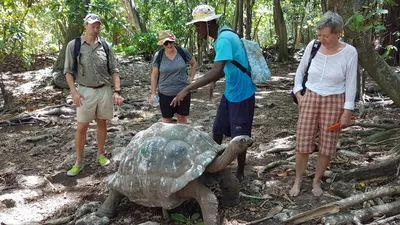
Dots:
(167, 42)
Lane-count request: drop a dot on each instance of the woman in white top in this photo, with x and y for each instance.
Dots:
(329, 98)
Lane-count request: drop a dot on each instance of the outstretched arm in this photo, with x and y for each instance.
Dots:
(216, 72)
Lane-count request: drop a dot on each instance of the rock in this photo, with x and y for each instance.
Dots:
(87, 208)
(149, 223)
(92, 219)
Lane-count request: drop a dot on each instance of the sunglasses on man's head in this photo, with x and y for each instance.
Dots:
(93, 17)
(168, 42)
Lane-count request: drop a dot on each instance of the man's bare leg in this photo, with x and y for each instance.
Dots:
(301, 164)
(101, 135)
(80, 141)
(322, 164)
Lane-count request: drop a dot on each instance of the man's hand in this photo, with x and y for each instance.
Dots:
(117, 99)
(179, 97)
(77, 98)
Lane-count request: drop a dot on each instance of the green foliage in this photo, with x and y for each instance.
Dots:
(191, 220)
(366, 19)
(140, 43)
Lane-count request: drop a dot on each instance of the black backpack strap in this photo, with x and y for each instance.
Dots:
(181, 52)
(77, 51)
(159, 57)
(107, 51)
(234, 62)
(314, 51)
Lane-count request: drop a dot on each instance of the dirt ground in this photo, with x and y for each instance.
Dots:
(37, 151)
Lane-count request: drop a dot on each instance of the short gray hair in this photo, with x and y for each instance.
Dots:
(331, 20)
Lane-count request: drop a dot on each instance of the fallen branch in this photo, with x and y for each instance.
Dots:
(374, 125)
(279, 150)
(363, 215)
(61, 220)
(337, 206)
(384, 168)
(270, 214)
(261, 170)
(264, 197)
(385, 220)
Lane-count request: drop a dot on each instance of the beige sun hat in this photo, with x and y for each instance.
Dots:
(165, 35)
(92, 18)
(203, 13)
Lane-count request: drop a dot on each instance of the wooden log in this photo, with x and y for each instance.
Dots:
(363, 215)
(337, 206)
(385, 220)
(380, 136)
(385, 168)
(343, 189)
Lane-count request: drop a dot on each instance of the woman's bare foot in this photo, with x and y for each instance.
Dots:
(295, 191)
(317, 190)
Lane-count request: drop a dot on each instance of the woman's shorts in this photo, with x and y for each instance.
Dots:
(169, 111)
(316, 114)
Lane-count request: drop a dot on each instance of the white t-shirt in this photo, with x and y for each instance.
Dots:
(330, 74)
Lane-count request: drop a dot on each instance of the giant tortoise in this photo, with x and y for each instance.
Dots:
(166, 165)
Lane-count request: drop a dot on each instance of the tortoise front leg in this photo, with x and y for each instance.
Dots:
(205, 197)
(110, 205)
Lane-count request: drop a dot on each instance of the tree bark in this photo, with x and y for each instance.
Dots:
(280, 29)
(384, 75)
(363, 215)
(133, 15)
(240, 22)
(73, 30)
(236, 17)
(337, 206)
(249, 18)
(385, 168)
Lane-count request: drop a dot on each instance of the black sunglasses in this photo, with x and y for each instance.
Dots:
(167, 42)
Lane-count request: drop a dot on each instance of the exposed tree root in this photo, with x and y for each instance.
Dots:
(337, 206)
(363, 215)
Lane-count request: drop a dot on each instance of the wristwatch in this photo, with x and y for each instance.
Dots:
(118, 92)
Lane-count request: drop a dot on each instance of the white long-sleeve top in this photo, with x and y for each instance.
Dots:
(330, 74)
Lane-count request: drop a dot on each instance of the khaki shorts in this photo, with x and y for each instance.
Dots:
(97, 104)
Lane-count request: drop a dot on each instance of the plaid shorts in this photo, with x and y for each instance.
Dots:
(316, 114)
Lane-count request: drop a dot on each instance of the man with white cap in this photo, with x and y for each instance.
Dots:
(94, 70)
(236, 110)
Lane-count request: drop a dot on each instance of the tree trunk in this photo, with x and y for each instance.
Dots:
(298, 37)
(280, 29)
(236, 17)
(133, 15)
(249, 18)
(240, 22)
(392, 24)
(73, 30)
(384, 75)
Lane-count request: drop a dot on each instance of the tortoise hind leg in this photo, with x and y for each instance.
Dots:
(205, 197)
(110, 205)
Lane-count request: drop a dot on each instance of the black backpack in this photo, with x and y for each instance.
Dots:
(314, 51)
(161, 53)
(77, 51)
(178, 48)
